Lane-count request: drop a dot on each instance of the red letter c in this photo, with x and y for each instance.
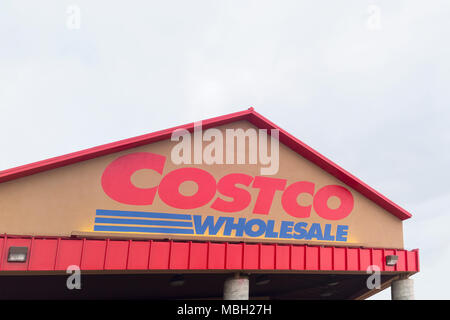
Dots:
(116, 179)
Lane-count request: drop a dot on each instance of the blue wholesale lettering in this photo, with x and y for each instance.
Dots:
(255, 228)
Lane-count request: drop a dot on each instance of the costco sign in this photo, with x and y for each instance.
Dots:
(228, 194)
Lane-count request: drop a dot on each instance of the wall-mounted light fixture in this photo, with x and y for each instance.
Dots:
(17, 254)
(262, 280)
(177, 281)
(326, 294)
(391, 260)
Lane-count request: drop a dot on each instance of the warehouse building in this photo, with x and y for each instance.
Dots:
(231, 207)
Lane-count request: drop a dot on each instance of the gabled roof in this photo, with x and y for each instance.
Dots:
(250, 115)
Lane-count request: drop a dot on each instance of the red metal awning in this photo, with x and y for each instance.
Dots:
(52, 254)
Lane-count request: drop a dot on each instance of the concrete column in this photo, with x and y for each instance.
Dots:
(236, 288)
(402, 289)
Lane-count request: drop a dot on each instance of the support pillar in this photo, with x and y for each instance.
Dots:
(402, 289)
(236, 288)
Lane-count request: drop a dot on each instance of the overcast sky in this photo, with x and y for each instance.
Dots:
(365, 83)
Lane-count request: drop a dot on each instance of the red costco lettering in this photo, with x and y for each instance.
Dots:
(290, 196)
(267, 188)
(321, 199)
(116, 182)
(227, 187)
(169, 188)
(116, 179)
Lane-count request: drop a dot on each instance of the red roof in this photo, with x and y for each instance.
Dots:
(250, 115)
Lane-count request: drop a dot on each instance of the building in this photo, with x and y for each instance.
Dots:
(231, 207)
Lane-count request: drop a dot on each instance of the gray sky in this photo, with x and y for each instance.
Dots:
(366, 83)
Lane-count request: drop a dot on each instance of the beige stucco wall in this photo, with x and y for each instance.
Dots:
(63, 201)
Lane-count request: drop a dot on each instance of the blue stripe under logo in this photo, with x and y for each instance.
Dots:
(165, 223)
